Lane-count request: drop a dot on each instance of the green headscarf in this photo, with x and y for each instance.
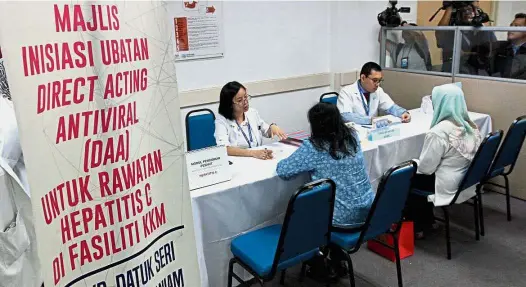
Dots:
(449, 104)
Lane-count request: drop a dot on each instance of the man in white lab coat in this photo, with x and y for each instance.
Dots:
(361, 101)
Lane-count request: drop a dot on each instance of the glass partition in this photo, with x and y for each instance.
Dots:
(485, 55)
(416, 50)
(498, 53)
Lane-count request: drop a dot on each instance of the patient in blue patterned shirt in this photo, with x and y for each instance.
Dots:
(333, 151)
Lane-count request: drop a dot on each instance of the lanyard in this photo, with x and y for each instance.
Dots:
(365, 105)
(249, 133)
(405, 53)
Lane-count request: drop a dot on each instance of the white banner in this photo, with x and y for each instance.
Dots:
(95, 94)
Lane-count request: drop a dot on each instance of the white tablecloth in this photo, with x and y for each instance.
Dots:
(256, 197)
(408, 145)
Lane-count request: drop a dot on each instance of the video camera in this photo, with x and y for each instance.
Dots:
(390, 17)
(457, 18)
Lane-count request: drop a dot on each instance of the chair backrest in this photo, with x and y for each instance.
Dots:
(307, 222)
(511, 146)
(479, 167)
(330, 98)
(389, 201)
(200, 127)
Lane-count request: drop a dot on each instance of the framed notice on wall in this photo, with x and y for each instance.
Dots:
(197, 29)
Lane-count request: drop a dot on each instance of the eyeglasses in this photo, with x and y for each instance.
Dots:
(242, 100)
(376, 81)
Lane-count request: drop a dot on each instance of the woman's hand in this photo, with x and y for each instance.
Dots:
(274, 130)
(263, 154)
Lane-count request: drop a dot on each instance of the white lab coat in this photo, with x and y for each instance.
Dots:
(350, 101)
(227, 132)
(19, 263)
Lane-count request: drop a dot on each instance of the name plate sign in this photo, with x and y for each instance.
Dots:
(383, 133)
(207, 166)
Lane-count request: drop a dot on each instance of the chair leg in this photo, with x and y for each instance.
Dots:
(351, 269)
(481, 214)
(508, 205)
(282, 279)
(230, 271)
(476, 216)
(448, 239)
(302, 272)
(397, 256)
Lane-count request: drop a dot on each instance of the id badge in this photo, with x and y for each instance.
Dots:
(404, 63)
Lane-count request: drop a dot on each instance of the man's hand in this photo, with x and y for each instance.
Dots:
(406, 117)
(448, 11)
(446, 4)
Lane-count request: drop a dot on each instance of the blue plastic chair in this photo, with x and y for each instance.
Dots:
(200, 128)
(305, 230)
(507, 157)
(386, 210)
(330, 98)
(475, 175)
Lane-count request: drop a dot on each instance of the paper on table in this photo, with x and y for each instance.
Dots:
(277, 151)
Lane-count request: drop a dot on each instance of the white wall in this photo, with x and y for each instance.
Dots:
(506, 11)
(275, 39)
(354, 31)
(264, 40)
(288, 110)
(267, 40)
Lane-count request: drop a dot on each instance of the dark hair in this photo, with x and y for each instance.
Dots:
(369, 67)
(226, 103)
(520, 16)
(329, 132)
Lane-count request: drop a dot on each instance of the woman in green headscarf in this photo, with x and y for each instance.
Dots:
(449, 148)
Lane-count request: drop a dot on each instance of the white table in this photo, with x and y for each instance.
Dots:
(256, 197)
(408, 145)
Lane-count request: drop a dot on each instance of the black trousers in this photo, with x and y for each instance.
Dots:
(417, 208)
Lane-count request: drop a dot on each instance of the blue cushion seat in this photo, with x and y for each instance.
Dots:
(349, 240)
(345, 240)
(496, 172)
(258, 248)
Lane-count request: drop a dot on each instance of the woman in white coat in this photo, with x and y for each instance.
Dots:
(19, 263)
(239, 127)
(449, 148)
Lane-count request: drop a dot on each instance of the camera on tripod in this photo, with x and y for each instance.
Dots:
(457, 17)
(390, 17)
